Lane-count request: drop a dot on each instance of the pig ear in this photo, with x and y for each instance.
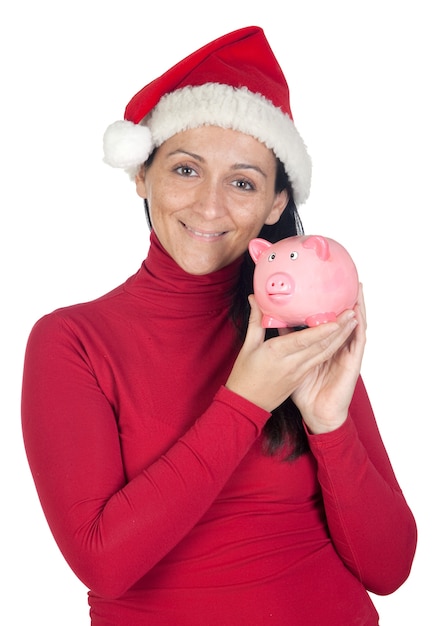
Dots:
(257, 247)
(319, 244)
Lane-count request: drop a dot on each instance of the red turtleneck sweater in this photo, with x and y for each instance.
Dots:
(152, 477)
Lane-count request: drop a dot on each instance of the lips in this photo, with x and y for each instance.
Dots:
(278, 297)
(203, 234)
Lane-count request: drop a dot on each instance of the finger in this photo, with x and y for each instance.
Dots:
(356, 340)
(313, 345)
(361, 305)
(311, 336)
(255, 332)
(339, 334)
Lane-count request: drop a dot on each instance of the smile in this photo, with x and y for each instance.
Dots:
(202, 234)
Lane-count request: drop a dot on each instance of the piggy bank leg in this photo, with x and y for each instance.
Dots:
(320, 318)
(272, 322)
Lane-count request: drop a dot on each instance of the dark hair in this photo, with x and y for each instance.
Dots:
(284, 429)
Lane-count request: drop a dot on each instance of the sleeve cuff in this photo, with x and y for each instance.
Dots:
(333, 438)
(250, 410)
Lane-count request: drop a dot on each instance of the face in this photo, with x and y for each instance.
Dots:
(209, 191)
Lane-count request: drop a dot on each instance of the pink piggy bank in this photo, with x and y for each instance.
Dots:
(303, 280)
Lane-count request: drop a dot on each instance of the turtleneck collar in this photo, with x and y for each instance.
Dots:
(162, 282)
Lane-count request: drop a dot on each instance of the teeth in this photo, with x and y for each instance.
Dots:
(204, 235)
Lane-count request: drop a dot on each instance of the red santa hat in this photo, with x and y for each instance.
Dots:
(233, 82)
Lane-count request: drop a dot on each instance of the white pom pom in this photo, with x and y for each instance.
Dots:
(126, 145)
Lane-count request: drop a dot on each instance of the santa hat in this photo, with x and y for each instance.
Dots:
(233, 82)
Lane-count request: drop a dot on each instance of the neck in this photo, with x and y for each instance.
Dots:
(173, 288)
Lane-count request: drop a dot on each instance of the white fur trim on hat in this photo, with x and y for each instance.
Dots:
(218, 105)
(239, 109)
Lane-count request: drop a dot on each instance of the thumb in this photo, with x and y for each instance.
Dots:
(255, 332)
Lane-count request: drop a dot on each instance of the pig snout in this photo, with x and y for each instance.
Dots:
(279, 285)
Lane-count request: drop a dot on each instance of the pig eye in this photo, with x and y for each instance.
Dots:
(293, 256)
(272, 256)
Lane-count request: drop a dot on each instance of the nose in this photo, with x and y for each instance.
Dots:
(280, 284)
(210, 200)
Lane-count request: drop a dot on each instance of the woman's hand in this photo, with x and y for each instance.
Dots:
(324, 395)
(317, 366)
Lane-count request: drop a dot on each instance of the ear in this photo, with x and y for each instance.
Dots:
(279, 204)
(257, 247)
(140, 182)
(319, 244)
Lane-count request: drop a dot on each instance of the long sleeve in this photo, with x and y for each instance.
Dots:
(370, 523)
(111, 529)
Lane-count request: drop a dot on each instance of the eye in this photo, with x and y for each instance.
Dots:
(272, 256)
(293, 256)
(185, 170)
(243, 184)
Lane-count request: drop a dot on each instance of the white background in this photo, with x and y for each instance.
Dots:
(361, 79)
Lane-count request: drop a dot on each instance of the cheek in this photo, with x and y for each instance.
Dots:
(161, 203)
(169, 198)
(252, 222)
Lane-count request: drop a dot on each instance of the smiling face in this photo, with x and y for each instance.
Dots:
(210, 190)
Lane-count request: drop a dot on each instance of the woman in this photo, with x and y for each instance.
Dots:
(193, 473)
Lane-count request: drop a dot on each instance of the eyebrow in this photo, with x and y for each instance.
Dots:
(248, 166)
(192, 154)
(235, 166)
